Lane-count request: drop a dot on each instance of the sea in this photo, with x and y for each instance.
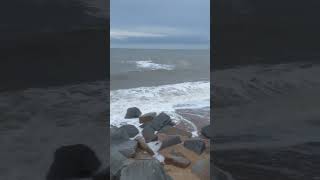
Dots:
(173, 81)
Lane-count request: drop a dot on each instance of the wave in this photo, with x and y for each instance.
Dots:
(164, 98)
(149, 65)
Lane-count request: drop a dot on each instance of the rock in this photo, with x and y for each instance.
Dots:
(144, 170)
(206, 131)
(143, 145)
(178, 161)
(131, 130)
(148, 134)
(168, 140)
(202, 169)
(147, 117)
(195, 145)
(145, 124)
(117, 161)
(117, 134)
(160, 121)
(132, 112)
(73, 161)
(127, 148)
(169, 130)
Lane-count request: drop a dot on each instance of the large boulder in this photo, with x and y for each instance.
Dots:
(196, 145)
(117, 162)
(73, 161)
(132, 112)
(168, 140)
(131, 130)
(127, 148)
(147, 117)
(144, 170)
(120, 141)
(160, 121)
(149, 134)
(170, 130)
(206, 131)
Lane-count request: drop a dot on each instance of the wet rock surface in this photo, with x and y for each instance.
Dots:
(196, 145)
(132, 112)
(147, 117)
(131, 130)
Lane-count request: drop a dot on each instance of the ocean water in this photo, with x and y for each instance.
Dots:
(158, 81)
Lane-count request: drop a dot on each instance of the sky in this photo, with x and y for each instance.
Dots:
(160, 23)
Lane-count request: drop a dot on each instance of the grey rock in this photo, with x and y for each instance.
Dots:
(169, 130)
(170, 141)
(132, 112)
(160, 121)
(178, 161)
(206, 131)
(127, 148)
(144, 170)
(131, 130)
(148, 134)
(147, 117)
(195, 145)
(117, 162)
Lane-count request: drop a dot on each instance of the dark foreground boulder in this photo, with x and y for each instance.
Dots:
(195, 145)
(133, 112)
(149, 134)
(147, 117)
(160, 121)
(144, 170)
(102, 174)
(131, 130)
(73, 161)
(205, 131)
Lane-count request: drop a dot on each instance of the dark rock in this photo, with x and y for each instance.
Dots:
(127, 148)
(169, 130)
(160, 121)
(195, 145)
(169, 140)
(132, 112)
(144, 170)
(178, 161)
(147, 117)
(202, 169)
(117, 161)
(205, 131)
(131, 130)
(143, 145)
(148, 134)
(118, 134)
(73, 161)
(145, 124)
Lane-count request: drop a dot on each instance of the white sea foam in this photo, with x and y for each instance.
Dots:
(165, 98)
(149, 65)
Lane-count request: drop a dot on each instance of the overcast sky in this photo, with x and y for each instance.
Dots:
(160, 23)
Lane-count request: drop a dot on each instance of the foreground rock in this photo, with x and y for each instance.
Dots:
(196, 145)
(132, 112)
(144, 170)
(117, 162)
(147, 117)
(202, 169)
(149, 134)
(131, 130)
(142, 145)
(160, 121)
(205, 131)
(73, 161)
(168, 140)
(170, 130)
(178, 161)
(120, 141)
